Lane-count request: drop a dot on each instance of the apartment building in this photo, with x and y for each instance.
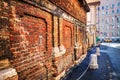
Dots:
(91, 22)
(108, 20)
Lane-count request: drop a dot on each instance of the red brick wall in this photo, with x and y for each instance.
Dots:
(65, 31)
(73, 7)
(12, 78)
(80, 40)
(26, 38)
(31, 41)
(4, 31)
(68, 37)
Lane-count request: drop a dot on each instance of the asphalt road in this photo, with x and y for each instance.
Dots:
(108, 62)
(113, 51)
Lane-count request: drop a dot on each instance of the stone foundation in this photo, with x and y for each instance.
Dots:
(60, 75)
(8, 74)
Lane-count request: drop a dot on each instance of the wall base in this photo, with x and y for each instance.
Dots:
(8, 74)
(59, 76)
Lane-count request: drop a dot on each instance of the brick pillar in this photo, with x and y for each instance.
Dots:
(60, 28)
(58, 49)
(55, 34)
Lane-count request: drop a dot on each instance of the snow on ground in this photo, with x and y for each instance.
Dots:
(115, 45)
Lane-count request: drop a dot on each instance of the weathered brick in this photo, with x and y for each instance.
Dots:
(73, 7)
(68, 35)
(12, 78)
(29, 33)
(25, 38)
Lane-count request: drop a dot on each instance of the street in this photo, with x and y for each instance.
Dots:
(113, 51)
(108, 62)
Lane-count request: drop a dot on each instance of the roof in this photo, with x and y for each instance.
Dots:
(93, 2)
(85, 5)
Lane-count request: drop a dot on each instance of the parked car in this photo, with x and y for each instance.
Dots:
(107, 40)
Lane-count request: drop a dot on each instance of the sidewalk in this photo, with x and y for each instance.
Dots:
(82, 71)
(78, 71)
(104, 72)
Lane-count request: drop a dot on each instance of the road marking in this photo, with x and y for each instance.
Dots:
(83, 73)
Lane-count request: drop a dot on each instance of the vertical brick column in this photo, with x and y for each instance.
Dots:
(55, 34)
(78, 43)
(58, 49)
(60, 28)
(6, 73)
(4, 30)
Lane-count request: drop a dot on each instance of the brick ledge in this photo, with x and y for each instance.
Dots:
(59, 51)
(59, 76)
(6, 73)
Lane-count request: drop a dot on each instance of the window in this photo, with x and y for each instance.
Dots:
(102, 20)
(113, 11)
(118, 26)
(118, 33)
(112, 5)
(118, 10)
(118, 4)
(118, 19)
(102, 13)
(98, 8)
(112, 19)
(102, 7)
(107, 12)
(105, 33)
(112, 33)
(107, 21)
(113, 26)
(106, 7)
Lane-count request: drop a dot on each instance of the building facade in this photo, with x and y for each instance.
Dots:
(91, 22)
(108, 19)
(41, 39)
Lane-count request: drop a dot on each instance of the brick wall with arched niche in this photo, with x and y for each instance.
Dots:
(30, 37)
(68, 36)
